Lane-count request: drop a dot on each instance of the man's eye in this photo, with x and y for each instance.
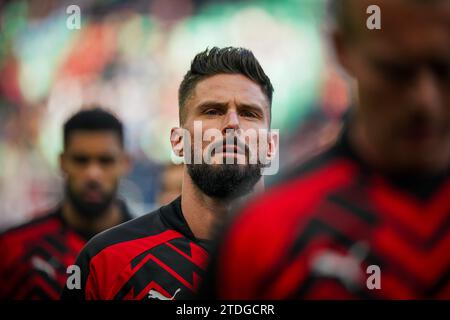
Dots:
(106, 160)
(211, 112)
(249, 114)
(81, 160)
(397, 72)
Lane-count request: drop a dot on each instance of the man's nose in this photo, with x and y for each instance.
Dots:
(231, 122)
(427, 91)
(93, 171)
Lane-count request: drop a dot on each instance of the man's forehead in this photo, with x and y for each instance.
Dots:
(225, 88)
(411, 28)
(86, 139)
(399, 16)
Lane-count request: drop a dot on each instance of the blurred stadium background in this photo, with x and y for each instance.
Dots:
(130, 56)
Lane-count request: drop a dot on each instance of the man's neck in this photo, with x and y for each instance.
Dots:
(108, 219)
(203, 213)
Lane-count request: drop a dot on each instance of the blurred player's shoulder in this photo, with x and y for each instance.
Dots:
(292, 197)
(18, 240)
(45, 222)
(305, 184)
(338, 151)
(271, 219)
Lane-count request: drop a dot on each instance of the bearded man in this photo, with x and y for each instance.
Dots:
(162, 255)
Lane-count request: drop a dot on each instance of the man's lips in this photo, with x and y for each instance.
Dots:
(234, 149)
(93, 196)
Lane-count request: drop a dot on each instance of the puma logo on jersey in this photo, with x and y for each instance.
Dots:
(153, 294)
(40, 264)
(344, 267)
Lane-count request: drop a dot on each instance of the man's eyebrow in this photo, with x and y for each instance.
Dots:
(211, 104)
(223, 105)
(251, 106)
(389, 61)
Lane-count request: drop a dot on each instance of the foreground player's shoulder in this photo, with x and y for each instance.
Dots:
(269, 219)
(259, 235)
(301, 186)
(108, 253)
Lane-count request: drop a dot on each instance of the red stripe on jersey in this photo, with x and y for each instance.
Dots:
(394, 288)
(445, 293)
(328, 289)
(287, 282)
(419, 217)
(37, 281)
(111, 268)
(426, 266)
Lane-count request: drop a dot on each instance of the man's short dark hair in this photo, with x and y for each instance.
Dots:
(229, 60)
(94, 120)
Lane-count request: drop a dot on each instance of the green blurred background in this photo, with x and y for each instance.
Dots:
(130, 56)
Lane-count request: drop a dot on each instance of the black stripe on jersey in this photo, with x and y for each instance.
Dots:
(37, 293)
(36, 274)
(440, 284)
(41, 252)
(139, 280)
(315, 228)
(177, 262)
(56, 242)
(442, 231)
(353, 209)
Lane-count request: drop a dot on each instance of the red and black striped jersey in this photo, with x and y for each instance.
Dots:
(35, 256)
(338, 230)
(155, 256)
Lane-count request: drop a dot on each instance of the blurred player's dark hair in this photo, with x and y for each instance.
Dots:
(229, 60)
(96, 119)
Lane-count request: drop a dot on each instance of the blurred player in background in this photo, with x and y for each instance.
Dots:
(369, 218)
(35, 256)
(162, 255)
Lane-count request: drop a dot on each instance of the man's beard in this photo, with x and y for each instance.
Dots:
(90, 210)
(225, 181)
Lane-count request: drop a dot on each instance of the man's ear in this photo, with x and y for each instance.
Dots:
(273, 141)
(176, 140)
(127, 163)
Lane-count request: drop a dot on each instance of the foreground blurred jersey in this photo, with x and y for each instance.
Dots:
(35, 256)
(369, 218)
